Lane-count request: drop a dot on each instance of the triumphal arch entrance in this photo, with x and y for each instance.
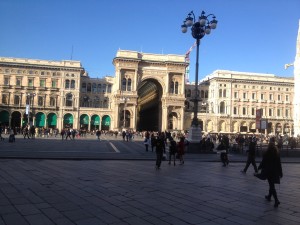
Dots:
(149, 91)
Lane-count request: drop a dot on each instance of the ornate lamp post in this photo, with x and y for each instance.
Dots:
(124, 99)
(199, 29)
(30, 98)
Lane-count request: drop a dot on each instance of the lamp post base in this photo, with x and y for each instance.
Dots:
(195, 135)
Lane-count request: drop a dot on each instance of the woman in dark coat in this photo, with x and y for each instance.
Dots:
(272, 170)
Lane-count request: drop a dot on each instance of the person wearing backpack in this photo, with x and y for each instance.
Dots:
(172, 150)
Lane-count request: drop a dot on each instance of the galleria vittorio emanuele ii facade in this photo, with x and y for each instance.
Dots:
(147, 92)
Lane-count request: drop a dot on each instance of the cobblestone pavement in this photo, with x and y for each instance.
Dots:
(45, 191)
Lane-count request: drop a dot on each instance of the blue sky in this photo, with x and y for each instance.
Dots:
(252, 36)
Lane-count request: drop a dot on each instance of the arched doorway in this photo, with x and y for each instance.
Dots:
(105, 125)
(4, 118)
(149, 105)
(95, 122)
(125, 122)
(16, 120)
(68, 120)
(84, 121)
(52, 120)
(40, 119)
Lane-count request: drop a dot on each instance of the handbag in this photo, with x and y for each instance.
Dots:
(262, 175)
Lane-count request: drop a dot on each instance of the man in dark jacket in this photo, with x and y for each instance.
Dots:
(251, 155)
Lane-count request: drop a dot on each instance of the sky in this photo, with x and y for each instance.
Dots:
(256, 36)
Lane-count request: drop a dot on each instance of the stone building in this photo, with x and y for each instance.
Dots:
(230, 100)
(147, 92)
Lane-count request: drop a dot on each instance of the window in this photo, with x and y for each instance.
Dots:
(67, 84)
(42, 83)
(30, 82)
(129, 84)
(270, 112)
(287, 113)
(172, 87)
(109, 88)
(287, 98)
(206, 94)
(18, 82)
(278, 112)
(104, 88)
(253, 96)
(124, 84)
(279, 97)
(72, 84)
(222, 107)
(253, 111)
(244, 95)
(224, 93)
(235, 86)
(17, 100)
(244, 111)
(52, 101)
(54, 83)
(69, 99)
(235, 110)
(6, 80)
(42, 73)
(220, 93)
(89, 87)
(287, 89)
(262, 96)
(5, 99)
(270, 96)
(40, 101)
(94, 88)
(236, 95)
(189, 93)
(99, 88)
(83, 87)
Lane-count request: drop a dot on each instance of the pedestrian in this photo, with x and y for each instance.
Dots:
(181, 150)
(147, 143)
(223, 148)
(153, 141)
(251, 155)
(62, 133)
(26, 132)
(271, 170)
(68, 135)
(159, 150)
(98, 134)
(172, 150)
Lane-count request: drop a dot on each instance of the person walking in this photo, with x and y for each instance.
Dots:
(181, 147)
(98, 134)
(251, 155)
(271, 170)
(147, 143)
(159, 150)
(172, 150)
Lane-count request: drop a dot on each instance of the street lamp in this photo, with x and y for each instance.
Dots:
(125, 99)
(199, 29)
(30, 102)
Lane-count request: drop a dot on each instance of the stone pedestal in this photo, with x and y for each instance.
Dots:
(194, 138)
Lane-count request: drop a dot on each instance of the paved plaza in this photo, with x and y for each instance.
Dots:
(120, 189)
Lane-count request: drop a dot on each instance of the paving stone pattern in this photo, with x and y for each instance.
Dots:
(120, 192)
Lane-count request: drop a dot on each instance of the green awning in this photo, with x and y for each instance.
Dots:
(4, 117)
(84, 119)
(106, 121)
(68, 119)
(95, 120)
(40, 119)
(52, 119)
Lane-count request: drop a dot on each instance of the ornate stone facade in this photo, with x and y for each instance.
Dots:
(147, 92)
